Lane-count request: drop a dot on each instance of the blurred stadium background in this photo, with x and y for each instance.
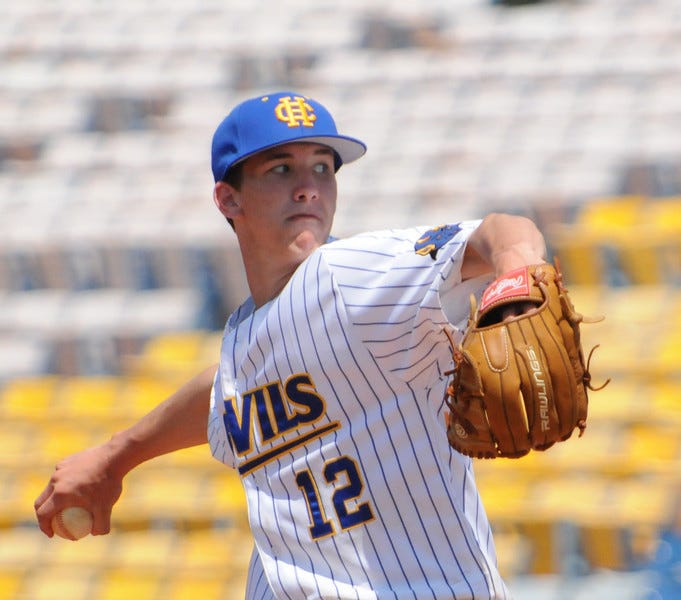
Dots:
(116, 271)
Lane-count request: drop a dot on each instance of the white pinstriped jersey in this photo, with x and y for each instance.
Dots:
(329, 402)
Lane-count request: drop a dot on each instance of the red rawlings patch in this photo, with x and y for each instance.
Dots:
(513, 284)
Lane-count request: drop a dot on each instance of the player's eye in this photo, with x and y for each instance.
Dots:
(281, 169)
(322, 168)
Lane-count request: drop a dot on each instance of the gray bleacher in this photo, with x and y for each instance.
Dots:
(106, 113)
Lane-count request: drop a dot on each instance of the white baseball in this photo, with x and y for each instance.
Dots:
(72, 523)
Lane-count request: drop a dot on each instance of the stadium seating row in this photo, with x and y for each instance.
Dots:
(118, 99)
(44, 418)
(103, 331)
(605, 523)
(123, 263)
(144, 565)
(92, 332)
(621, 240)
(601, 499)
(596, 507)
(196, 494)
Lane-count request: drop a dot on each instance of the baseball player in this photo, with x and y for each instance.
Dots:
(329, 395)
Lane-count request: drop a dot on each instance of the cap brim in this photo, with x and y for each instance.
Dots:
(349, 149)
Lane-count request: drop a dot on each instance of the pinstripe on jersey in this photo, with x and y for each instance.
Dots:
(333, 398)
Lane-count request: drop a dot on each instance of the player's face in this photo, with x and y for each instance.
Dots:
(287, 197)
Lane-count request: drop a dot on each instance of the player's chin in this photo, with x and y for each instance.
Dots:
(310, 224)
(309, 239)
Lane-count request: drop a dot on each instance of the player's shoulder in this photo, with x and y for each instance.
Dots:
(370, 251)
(377, 239)
(422, 239)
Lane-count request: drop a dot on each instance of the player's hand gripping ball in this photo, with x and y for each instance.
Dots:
(519, 383)
(72, 523)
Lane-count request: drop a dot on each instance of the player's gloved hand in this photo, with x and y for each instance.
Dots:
(83, 479)
(520, 379)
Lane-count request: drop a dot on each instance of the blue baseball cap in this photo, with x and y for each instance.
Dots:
(267, 121)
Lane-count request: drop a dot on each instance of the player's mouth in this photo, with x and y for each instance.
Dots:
(303, 217)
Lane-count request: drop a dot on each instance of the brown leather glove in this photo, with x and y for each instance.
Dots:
(519, 383)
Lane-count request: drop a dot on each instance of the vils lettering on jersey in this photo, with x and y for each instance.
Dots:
(275, 409)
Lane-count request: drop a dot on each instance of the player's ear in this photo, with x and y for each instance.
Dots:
(226, 199)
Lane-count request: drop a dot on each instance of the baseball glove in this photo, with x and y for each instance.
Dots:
(519, 383)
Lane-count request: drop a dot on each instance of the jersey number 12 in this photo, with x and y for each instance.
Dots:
(343, 473)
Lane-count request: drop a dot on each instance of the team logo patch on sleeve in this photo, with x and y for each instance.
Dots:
(433, 239)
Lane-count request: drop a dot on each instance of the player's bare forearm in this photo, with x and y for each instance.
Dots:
(501, 243)
(93, 478)
(178, 422)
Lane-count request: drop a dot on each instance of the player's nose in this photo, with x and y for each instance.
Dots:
(306, 189)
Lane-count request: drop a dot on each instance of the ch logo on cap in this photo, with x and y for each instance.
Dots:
(295, 112)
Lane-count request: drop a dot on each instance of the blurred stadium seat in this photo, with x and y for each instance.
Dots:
(88, 398)
(121, 583)
(28, 397)
(63, 581)
(179, 354)
(187, 586)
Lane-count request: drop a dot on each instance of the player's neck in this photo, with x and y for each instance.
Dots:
(263, 292)
(269, 270)
(267, 278)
